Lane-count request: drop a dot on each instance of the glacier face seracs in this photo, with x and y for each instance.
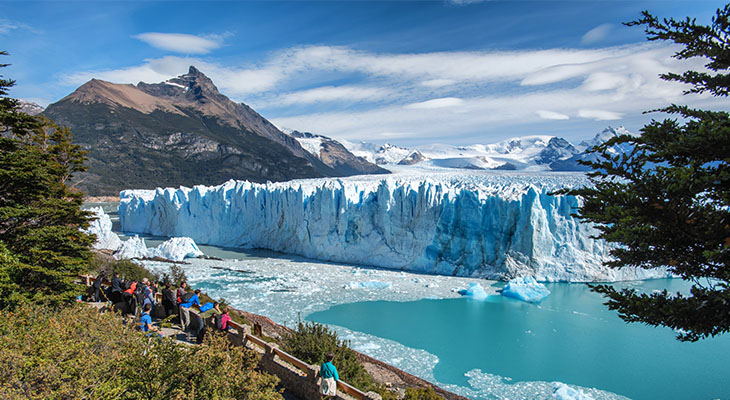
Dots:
(101, 226)
(489, 225)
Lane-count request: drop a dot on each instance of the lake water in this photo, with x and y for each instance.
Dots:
(571, 337)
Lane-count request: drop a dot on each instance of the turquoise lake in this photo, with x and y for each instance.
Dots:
(570, 337)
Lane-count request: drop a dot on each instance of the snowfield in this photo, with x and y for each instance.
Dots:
(495, 225)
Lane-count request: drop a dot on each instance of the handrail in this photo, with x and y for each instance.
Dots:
(351, 390)
(291, 359)
(257, 340)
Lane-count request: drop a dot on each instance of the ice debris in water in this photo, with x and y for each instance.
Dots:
(175, 249)
(525, 288)
(565, 392)
(102, 228)
(475, 291)
(369, 285)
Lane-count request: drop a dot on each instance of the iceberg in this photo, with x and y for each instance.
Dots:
(102, 228)
(526, 289)
(565, 392)
(133, 247)
(480, 225)
(475, 291)
(176, 249)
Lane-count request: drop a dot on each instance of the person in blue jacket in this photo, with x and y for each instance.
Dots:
(329, 375)
(185, 309)
(145, 322)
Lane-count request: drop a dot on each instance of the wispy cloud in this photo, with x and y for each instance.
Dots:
(182, 42)
(545, 114)
(599, 115)
(436, 103)
(7, 26)
(597, 34)
(334, 93)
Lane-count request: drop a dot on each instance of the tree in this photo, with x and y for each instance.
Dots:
(40, 215)
(667, 202)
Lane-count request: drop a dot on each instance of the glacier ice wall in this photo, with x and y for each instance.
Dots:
(481, 225)
(102, 228)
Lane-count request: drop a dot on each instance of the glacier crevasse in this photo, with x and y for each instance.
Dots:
(488, 226)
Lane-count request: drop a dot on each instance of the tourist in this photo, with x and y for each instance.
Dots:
(213, 312)
(98, 292)
(168, 300)
(185, 309)
(116, 292)
(146, 322)
(329, 375)
(224, 319)
(130, 302)
(181, 292)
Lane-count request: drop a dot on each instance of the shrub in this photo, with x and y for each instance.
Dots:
(76, 352)
(312, 341)
(421, 394)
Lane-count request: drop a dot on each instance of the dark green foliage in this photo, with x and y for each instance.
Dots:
(421, 394)
(127, 269)
(40, 215)
(174, 276)
(78, 353)
(312, 341)
(667, 203)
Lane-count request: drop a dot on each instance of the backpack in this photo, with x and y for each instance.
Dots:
(186, 297)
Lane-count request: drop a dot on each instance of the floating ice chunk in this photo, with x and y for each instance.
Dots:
(176, 249)
(475, 291)
(525, 288)
(102, 228)
(133, 247)
(565, 392)
(369, 285)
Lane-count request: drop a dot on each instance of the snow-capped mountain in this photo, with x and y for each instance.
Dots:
(571, 163)
(538, 152)
(333, 154)
(30, 108)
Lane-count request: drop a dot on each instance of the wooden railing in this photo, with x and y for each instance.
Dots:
(304, 368)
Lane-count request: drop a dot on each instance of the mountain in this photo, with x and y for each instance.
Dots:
(333, 154)
(571, 164)
(179, 132)
(29, 107)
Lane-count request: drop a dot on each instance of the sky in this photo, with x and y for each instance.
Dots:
(408, 73)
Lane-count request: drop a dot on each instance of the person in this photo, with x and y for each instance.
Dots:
(130, 302)
(148, 293)
(146, 322)
(185, 309)
(225, 318)
(213, 312)
(116, 293)
(329, 375)
(98, 292)
(181, 292)
(168, 300)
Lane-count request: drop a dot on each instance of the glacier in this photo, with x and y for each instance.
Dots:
(482, 224)
(101, 226)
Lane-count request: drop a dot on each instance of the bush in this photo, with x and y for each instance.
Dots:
(312, 341)
(76, 352)
(127, 269)
(421, 394)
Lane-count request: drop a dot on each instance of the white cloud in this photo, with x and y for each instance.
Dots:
(436, 103)
(333, 93)
(599, 115)
(545, 114)
(438, 82)
(182, 42)
(597, 34)
(7, 26)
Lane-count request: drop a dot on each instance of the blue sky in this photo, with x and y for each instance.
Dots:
(408, 73)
